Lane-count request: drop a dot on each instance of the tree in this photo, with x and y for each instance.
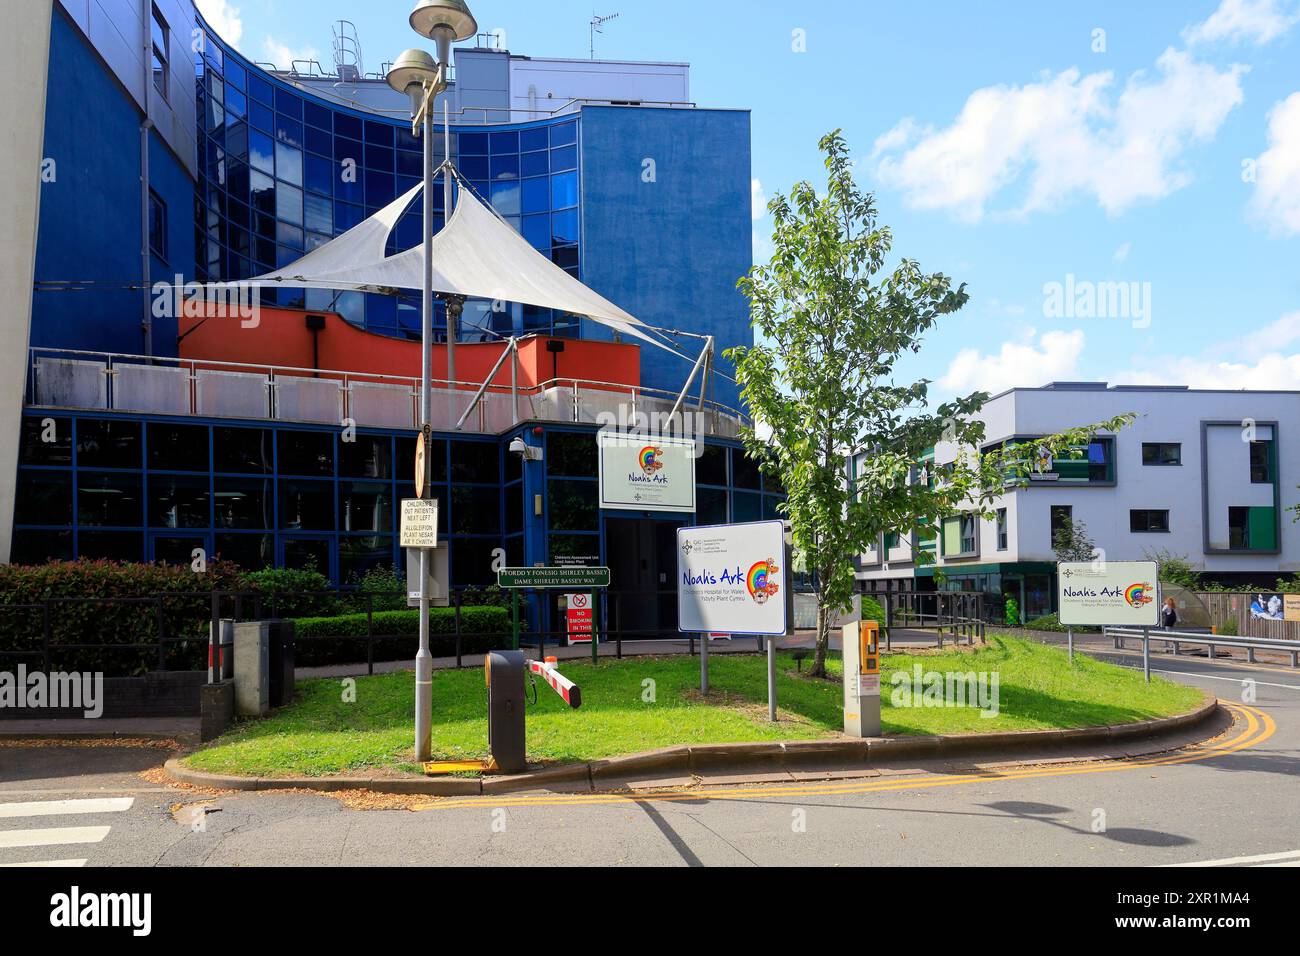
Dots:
(1174, 568)
(1072, 543)
(831, 324)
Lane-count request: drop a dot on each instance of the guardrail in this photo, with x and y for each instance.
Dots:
(85, 380)
(1211, 641)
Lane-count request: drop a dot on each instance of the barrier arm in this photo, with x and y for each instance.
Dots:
(566, 688)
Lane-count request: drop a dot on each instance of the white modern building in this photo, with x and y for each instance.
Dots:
(1206, 474)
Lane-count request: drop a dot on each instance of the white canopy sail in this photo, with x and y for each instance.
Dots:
(477, 255)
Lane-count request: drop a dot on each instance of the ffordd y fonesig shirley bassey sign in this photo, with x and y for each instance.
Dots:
(731, 578)
(1120, 593)
(646, 474)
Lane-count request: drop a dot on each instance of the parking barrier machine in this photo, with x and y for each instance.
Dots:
(861, 656)
(504, 673)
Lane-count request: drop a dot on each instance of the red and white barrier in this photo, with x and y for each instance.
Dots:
(566, 688)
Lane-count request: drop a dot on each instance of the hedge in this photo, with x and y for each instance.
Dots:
(95, 618)
(1050, 622)
(342, 640)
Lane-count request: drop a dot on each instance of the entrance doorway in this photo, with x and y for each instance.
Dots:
(642, 557)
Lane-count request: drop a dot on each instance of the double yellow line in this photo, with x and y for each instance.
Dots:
(1255, 727)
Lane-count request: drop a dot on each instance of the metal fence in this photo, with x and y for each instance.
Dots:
(1173, 641)
(1223, 607)
(959, 614)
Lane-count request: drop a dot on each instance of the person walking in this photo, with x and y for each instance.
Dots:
(1169, 615)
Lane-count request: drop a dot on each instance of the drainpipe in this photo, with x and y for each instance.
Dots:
(146, 124)
(315, 323)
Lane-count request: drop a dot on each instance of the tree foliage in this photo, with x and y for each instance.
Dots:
(833, 318)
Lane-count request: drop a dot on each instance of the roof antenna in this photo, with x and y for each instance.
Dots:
(596, 24)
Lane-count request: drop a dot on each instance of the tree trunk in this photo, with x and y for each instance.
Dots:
(823, 640)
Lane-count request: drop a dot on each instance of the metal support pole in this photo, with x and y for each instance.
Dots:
(771, 679)
(1146, 653)
(1069, 642)
(704, 665)
(447, 208)
(514, 381)
(514, 617)
(423, 659)
(596, 618)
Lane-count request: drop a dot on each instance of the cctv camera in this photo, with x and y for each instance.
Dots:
(518, 447)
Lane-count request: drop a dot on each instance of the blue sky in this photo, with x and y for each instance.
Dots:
(1024, 148)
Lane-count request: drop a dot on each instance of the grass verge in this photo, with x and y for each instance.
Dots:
(644, 703)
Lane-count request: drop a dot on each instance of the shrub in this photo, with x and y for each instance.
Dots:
(282, 591)
(342, 639)
(1011, 613)
(490, 596)
(1228, 628)
(105, 609)
(872, 611)
(381, 581)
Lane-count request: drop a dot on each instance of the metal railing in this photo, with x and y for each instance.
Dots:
(1173, 640)
(957, 613)
(85, 380)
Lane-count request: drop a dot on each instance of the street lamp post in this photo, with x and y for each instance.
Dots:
(420, 77)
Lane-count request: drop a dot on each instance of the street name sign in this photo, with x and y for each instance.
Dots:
(1115, 593)
(568, 579)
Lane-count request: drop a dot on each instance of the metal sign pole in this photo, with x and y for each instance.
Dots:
(423, 659)
(704, 664)
(1069, 642)
(771, 679)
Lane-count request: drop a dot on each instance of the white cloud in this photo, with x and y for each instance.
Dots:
(283, 55)
(757, 200)
(1065, 136)
(223, 18)
(1256, 21)
(1024, 362)
(1255, 362)
(1276, 200)
(1121, 254)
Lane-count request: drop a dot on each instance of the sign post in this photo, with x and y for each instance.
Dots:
(729, 579)
(419, 530)
(1108, 594)
(553, 579)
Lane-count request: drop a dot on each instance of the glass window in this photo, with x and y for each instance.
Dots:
(288, 205)
(46, 444)
(379, 133)
(318, 141)
(262, 117)
(259, 88)
(571, 549)
(318, 213)
(38, 547)
(564, 190)
(505, 167)
(379, 188)
(537, 230)
(345, 124)
(1061, 516)
(409, 164)
(1261, 462)
(571, 455)
(365, 506)
(44, 497)
(288, 130)
(564, 227)
(319, 174)
(306, 505)
(369, 456)
(710, 506)
(474, 144)
(159, 34)
(288, 164)
(108, 444)
(514, 507)
(242, 450)
(471, 561)
(1148, 521)
(1002, 529)
(475, 510)
(746, 506)
(711, 466)
(111, 545)
(178, 447)
(1239, 529)
(243, 503)
(306, 453)
(315, 115)
(357, 555)
(572, 505)
(744, 470)
(566, 134)
(475, 167)
(566, 257)
(109, 499)
(1162, 453)
(252, 552)
(506, 141)
(535, 164)
(235, 74)
(475, 462)
(307, 554)
(531, 139)
(288, 103)
(261, 152)
(290, 238)
(178, 502)
(505, 198)
(536, 196)
(379, 157)
(565, 158)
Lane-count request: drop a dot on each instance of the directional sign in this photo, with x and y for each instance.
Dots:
(419, 523)
(561, 578)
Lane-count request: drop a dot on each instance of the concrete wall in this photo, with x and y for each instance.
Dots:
(24, 53)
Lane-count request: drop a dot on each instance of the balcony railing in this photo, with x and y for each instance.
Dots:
(103, 381)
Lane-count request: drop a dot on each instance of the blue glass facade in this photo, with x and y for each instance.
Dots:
(282, 172)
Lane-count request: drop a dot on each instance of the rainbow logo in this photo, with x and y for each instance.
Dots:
(1136, 594)
(648, 459)
(759, 580)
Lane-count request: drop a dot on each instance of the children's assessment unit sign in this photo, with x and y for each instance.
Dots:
(730, 577)
(646, 474)
(1119, 593)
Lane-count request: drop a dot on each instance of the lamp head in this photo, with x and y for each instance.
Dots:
(444, 22)
(409, 71)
